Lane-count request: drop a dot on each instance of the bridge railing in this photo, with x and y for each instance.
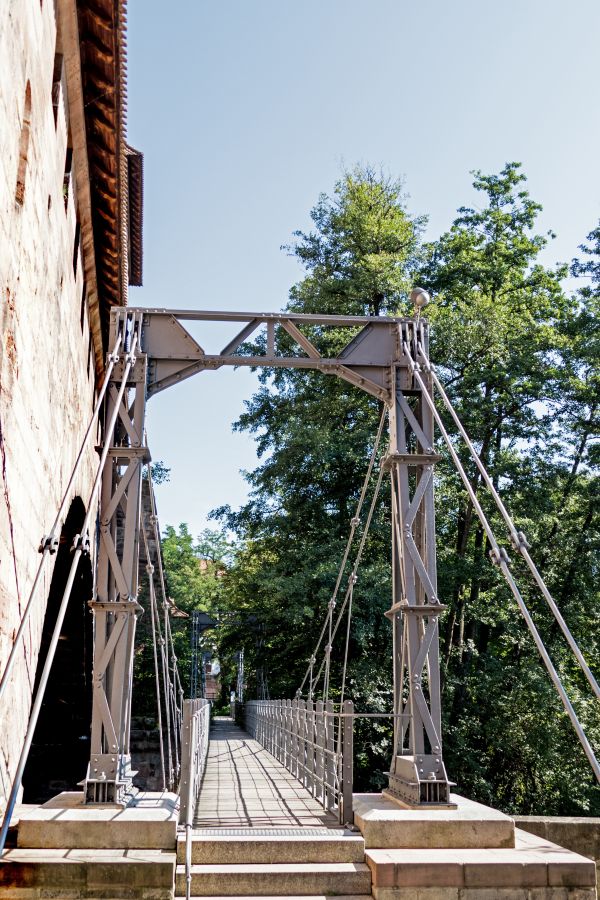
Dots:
(312, 740)
(194, 748)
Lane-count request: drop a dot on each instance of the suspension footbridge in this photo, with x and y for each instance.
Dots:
(273, 786)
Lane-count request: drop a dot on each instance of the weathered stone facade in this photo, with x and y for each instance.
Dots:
(52, 319)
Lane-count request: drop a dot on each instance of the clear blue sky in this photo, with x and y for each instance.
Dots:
(246, 110)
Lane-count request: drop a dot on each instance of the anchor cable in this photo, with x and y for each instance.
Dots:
(517, 538)
(49, 542)
(501, 559)
(354, 522)
(78, 548)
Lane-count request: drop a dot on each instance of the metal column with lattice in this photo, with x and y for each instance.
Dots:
(417, 773)
(115, 607)
(377, 359)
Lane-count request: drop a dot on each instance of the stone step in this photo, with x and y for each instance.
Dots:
(280, 845)
(26, 873)
(532, 866)
(276, 879)
(148, 823)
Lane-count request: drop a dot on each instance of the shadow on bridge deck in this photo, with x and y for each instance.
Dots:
(245, 787)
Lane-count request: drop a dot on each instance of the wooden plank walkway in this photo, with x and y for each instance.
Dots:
(246, 787)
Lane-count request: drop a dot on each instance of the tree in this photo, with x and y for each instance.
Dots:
(504, 338)
(194, 579)
(315, 434)
(519, 358)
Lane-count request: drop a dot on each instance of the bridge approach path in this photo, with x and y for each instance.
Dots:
(259, 832)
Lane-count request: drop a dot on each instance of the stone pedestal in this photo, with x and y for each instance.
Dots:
(68, 850)
(471, 852)
(148, 823)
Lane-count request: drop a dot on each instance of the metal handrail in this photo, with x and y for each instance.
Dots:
(194, 748)
(301, 735)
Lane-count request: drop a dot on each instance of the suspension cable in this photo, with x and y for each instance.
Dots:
(517, 538)
(354, 522)
(172, 686)
(500, 557)
(353, 577)
(80, 544)
(150, 570)
(49, 543)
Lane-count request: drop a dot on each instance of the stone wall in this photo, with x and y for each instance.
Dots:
(46, 363)
(145, 754)
(581, 834)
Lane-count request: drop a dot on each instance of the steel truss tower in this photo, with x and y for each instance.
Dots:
(378, 359)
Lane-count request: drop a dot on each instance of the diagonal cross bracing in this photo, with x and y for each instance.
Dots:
(377, 361)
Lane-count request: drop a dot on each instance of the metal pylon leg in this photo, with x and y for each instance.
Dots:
(115, 607)
(417, 775)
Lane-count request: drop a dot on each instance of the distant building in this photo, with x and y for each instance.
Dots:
(212, 671)
(70, 244)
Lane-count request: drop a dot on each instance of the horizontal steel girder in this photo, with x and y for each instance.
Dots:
(373, 347)
(375, 360)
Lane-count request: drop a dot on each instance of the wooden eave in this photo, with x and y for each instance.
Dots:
(102, 43)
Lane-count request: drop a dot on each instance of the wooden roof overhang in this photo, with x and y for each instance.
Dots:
(115, 181)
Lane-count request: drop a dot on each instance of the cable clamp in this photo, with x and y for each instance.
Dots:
(49, 542)
(82, 542)
(328, 650)
(498, 555)
(150, 568)
(331, 605)
(519, 542)
(313, 660)
(355, 521)
(353, 579)
(113, 358)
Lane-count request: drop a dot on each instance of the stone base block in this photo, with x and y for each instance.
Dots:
(149, 823)
(98, 874)
(533, 870)
(385, 823)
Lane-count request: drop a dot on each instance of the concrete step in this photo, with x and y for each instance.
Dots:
(213, 846)
(276, 879)
(116, 874)
(532, 868)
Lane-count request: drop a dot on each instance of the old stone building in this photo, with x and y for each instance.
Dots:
(70, 243)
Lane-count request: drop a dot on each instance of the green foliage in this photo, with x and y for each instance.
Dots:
(520, 359)
(195, 580)
(510, 345)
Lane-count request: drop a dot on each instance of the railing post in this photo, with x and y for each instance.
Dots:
(302, 749)
(319, 754)
(310, 746)
(279, 747)
(294, 738)
(329, 796)
(186, 759)
(287, 735)
(346, 810)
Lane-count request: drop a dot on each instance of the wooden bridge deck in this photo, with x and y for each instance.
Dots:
(246, 787)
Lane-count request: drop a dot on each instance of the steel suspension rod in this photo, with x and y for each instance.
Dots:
(517, 538)
(49, 542)
(354, 522)
(500, 556)
(80, 545)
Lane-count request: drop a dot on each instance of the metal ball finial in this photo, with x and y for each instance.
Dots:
(419, 298)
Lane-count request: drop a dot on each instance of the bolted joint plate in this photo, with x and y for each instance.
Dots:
(420, 781)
